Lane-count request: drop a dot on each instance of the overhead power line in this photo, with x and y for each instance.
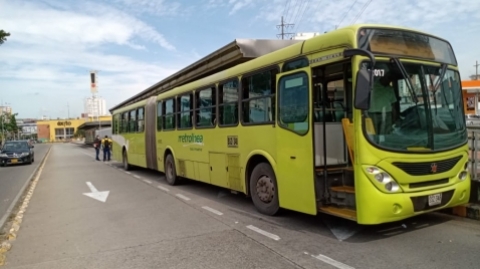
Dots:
(282, 26)
(361, 12)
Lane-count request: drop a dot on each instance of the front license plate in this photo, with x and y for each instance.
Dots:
(435, 199)
(14, 161)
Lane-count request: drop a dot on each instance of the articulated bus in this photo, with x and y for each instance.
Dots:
(364, 123)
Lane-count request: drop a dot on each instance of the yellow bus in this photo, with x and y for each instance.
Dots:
(364, 122)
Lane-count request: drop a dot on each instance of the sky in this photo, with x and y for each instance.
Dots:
(132, 44)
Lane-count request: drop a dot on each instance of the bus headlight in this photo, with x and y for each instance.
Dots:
(464, 174)
(383, 179)
(392, 186)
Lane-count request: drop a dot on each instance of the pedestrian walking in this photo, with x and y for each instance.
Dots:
(107, 146)
(97, 144)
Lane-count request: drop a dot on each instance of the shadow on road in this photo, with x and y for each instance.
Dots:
(321, 224)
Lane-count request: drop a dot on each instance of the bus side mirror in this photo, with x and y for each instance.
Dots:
(362, 89)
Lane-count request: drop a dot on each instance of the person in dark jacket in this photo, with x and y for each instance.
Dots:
(97, 144)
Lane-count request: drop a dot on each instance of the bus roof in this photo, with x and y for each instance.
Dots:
(234, 53)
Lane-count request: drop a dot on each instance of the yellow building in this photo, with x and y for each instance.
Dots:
(63, 129)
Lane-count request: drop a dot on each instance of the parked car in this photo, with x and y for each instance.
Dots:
(16, 152)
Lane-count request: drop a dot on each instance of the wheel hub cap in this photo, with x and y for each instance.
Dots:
(265, 189)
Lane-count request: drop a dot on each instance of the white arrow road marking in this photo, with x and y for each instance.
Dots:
(95, 194)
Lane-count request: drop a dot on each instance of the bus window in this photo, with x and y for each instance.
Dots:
(228, 103)
(293, 105)
(258, 95)
(159, 116)
(116, 124)
(185, 112)
(124, 128)
(205, 113)
(169, 114)
(132, 122)
(140, 118)
(333, 102)
(295, 64)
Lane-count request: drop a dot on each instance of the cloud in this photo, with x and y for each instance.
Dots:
(92, 25)
(54, 46)
(155, 7)
(238, 5)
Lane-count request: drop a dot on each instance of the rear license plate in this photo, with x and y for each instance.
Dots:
(435, 199)
(14, 161)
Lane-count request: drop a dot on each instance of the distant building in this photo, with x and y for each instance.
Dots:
(28, 128)
(5, 110)
(95, 106)
(65, 129)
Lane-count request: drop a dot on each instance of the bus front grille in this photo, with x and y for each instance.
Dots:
(428, 168)
(428, 183)
(420, 203)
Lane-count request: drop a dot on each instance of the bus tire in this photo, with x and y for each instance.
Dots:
(170, 170)
(126, 166)
(263, 189)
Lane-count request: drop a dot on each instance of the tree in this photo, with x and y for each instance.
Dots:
(9, 125)
(3, 36)
(79, 133)
(12, 126)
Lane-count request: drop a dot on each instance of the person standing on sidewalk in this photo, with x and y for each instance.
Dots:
(107, 145)
(97, 144)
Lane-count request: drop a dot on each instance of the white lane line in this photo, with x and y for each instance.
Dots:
(147, 181)
(135, 176)
(182, 197)
(332, 262)
(260, 231)
(128, 173)
(212, 210)
(162, 188)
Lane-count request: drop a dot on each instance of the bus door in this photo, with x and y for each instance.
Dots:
(332, 111)
(295, 178)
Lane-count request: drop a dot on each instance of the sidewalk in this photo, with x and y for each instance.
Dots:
(136, 227)
(472, 209)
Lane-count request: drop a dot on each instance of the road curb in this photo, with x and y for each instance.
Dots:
(4, 219)
(469, 211)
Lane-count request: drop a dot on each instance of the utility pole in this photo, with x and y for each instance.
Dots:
(95, 101)
(476, 70)
(283, 25)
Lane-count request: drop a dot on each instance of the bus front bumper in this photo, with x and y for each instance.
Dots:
(375, 207)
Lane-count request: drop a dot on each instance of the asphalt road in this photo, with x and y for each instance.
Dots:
(145, 223)
(13, 179)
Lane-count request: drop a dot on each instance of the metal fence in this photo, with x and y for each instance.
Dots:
(474, 145)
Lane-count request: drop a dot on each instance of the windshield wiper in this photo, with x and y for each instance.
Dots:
(442, 74)
(434, 89)
(407, 80)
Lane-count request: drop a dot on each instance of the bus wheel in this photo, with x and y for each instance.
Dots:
(263, 189)
(170, 171)
(126, 166)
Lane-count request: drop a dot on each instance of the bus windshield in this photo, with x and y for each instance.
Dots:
(415, 107)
